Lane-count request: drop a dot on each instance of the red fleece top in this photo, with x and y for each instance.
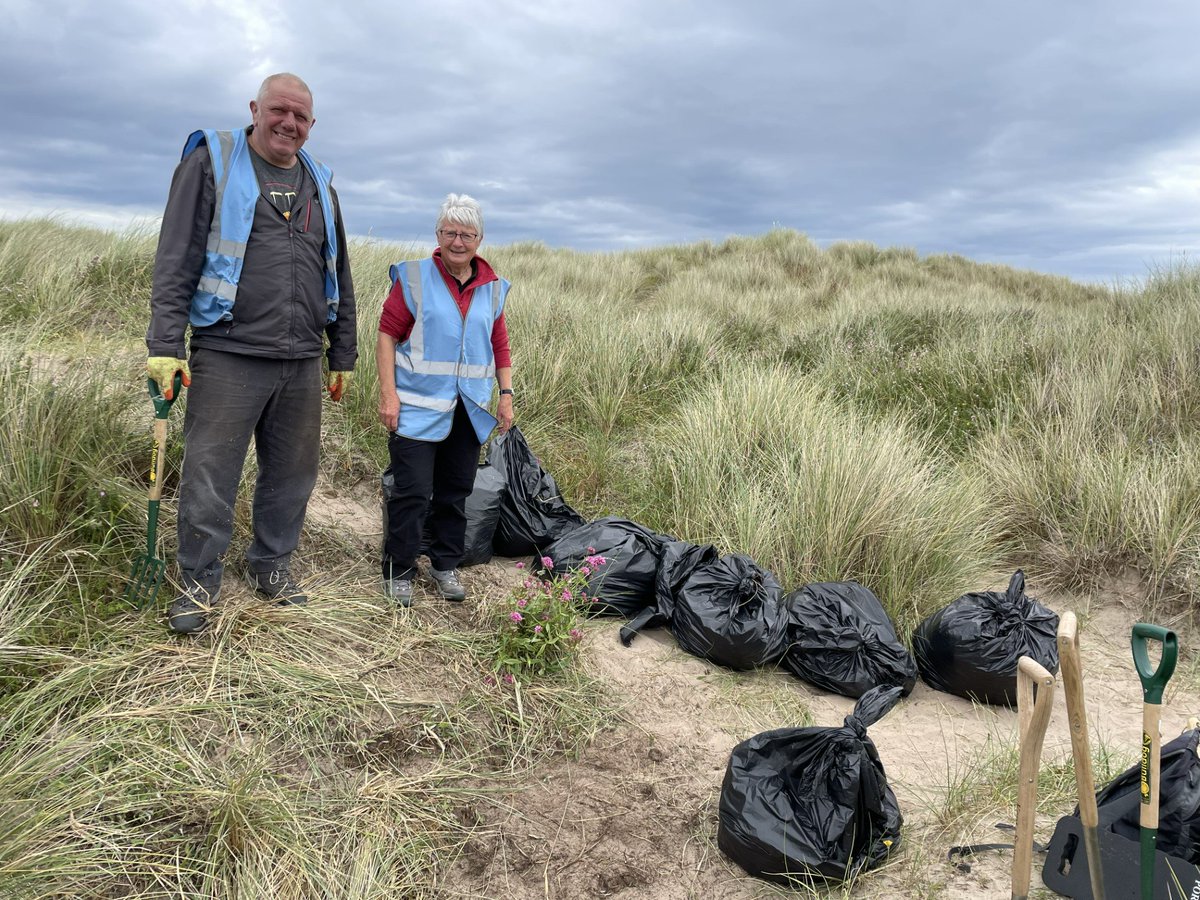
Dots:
(397, 321)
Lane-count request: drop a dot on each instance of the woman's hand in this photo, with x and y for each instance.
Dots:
(504, 413)
(389, 411)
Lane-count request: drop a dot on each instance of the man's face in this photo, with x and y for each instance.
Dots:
(281, 122)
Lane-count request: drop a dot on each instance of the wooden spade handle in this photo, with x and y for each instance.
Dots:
(1033, 715)
(158, 459)
(1085, 782)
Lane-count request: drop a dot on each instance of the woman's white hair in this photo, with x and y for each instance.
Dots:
(461, 210)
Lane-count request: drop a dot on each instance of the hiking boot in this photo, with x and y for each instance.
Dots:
(277, 585)
(188, 613)
(448, 584)
(398, 590)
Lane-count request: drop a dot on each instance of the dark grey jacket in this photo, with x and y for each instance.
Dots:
(280, 309)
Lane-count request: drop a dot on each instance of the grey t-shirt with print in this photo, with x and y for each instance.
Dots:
(281, 186)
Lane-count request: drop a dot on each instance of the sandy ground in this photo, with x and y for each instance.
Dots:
(635, 816)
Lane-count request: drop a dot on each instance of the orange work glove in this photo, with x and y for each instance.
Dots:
(163, 368)
(338, 383)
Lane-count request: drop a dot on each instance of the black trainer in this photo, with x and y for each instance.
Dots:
(189, 611)
(277, 585)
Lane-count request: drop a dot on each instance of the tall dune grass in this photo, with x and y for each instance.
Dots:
(913, 423)
(765, 464)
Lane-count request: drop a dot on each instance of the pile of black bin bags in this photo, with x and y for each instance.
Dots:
(832, 815)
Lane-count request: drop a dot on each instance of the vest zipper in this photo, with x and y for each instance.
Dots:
(291, 336)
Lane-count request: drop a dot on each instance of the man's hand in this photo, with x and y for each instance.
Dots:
(163, 368)
(338, 383)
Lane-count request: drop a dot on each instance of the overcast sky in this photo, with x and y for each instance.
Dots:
(1057, 136)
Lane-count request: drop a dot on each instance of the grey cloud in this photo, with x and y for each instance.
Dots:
(1050, 136)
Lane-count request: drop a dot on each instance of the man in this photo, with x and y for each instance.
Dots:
(252, 254)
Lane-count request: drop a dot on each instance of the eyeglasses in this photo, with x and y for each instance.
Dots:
(467, 236)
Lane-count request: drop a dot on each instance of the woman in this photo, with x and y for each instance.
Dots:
(442, 346)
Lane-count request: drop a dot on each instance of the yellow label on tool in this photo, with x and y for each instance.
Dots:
(1145, 768)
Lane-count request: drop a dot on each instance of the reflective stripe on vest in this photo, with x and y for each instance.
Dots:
(446, 355)
(237, 193)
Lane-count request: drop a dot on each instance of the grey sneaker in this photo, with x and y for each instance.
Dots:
(398, 590)
(189, 611)
(448, 584)
(277, 585)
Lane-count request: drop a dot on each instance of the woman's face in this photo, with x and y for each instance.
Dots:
(458, 243)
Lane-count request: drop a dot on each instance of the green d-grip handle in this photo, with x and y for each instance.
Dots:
(162, 405)
(1154, 679)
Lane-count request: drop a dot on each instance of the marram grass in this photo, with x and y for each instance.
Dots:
(914, 423)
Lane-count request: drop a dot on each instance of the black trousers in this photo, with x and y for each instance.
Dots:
(432, 479)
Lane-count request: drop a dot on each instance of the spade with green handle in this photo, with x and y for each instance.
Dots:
(1154, 679)
(148, 569)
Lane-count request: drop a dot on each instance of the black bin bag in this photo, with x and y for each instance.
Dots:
(841, 639)
(533, 514)
(1119, 803)
(728, 612)
(677, 561)
(971, 647)
(624, 585)
(802, 805)
(482, 508)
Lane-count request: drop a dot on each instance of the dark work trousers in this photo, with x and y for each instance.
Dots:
(445, 469)
(233, 398)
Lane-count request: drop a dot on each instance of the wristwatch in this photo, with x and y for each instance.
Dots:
(506, 391)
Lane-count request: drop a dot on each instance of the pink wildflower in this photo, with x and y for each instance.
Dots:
(566, 595)
(537, 629)
(576, 634)
(508, 678)
(517, 617)
(522, 603)
(490, 681)
(520, 565)
(591, 549)
(585, 571)
(547, 562)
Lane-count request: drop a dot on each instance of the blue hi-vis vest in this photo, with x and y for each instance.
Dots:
(446, 355)
(233, 216)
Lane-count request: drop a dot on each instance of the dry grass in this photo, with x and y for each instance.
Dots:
(852, 412)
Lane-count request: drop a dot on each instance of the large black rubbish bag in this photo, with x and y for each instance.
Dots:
(624, 584)
(728, 611)
(677, 561)
(482, 508)
(800, 804)
(1119, 803)
(533, 513)
(971, 647)
(841, 639)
